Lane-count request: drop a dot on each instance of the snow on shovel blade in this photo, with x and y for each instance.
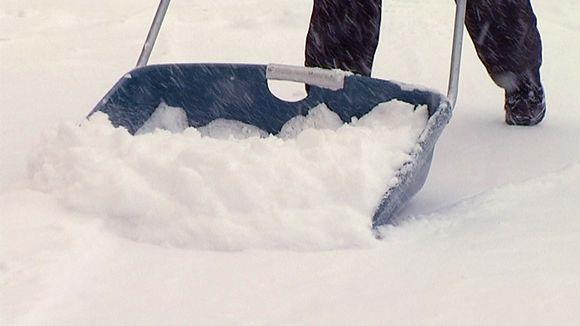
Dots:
(207, 92)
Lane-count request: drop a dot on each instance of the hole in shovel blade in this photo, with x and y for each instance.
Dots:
(288, 91)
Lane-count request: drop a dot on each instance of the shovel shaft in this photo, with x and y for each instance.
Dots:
(453, 87)
(153, 32)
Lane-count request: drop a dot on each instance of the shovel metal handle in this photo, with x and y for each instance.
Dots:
(453, 87)
(329, 79)
(153, 32)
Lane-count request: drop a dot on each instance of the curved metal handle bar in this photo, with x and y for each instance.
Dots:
(453, 87)
(153, 32)
(332, 80)
(324, 78)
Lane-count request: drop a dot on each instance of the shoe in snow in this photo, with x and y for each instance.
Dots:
(525, 106)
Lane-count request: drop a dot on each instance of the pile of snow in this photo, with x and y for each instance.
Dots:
(315, 187)
(226, 129)
(174, 119)
(165, 117)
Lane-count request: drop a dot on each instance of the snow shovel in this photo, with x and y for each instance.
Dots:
(207, 92)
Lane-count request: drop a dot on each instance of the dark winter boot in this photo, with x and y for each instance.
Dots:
(525, 106)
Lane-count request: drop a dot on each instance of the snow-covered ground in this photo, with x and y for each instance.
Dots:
(493, 237)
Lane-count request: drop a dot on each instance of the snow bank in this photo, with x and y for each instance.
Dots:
(315, 189)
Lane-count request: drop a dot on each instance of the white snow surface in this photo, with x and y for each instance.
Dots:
(315, 191)
(492, 239)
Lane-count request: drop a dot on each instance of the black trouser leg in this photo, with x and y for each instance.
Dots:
(507, 41)
(344, 34)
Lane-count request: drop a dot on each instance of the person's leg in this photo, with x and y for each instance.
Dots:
(508, 43)
(344, 34)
